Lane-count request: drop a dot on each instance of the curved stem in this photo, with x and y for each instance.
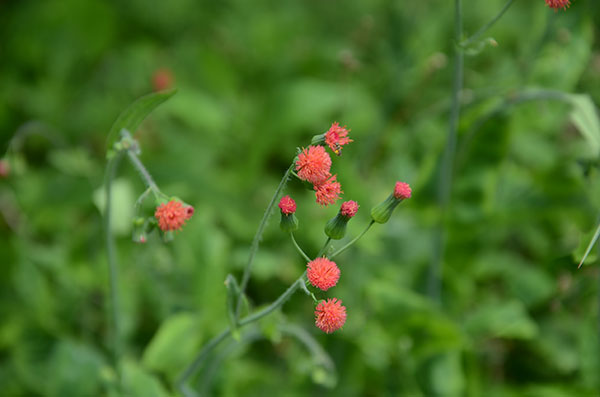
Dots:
(298, 248)
(324, 247)
(345, 247)
(484, 28)
(447, 165)
(257, 237)
(137, 164)
(214, 342)
(111, 170)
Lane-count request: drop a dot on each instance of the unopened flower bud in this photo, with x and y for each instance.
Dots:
(288, 223)
(336, 227)
(382, 212)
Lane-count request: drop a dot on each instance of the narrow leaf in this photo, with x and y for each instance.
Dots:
(131, 118)
(233, 292)
(590, 246)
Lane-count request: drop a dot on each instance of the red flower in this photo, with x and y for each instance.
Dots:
(4, 169)
(322, 273)
(337, 137)
(349, 208)
(330, 315)
(172, 215)
(287, 205)
(328, 192)
(402, 191)
(313, 164)
(162, 79)
(556, 4)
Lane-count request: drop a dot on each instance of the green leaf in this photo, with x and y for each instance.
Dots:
(139, 382)
(585, 118)
(502, 320)
(173, 345)
(122, 211)
(590, 246)
(131, 118)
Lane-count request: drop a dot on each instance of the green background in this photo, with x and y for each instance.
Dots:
(255, 80)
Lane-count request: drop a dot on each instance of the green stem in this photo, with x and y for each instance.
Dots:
(590, 246)
(257, 238)
(111, 170)
(445, 181)
(214, 342)
(324, 247)
(487, 26)
(137, 164)
(345, 247)
(298, 248)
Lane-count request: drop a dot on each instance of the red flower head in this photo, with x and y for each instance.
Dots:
(313, 164)
(330, 315)
(328, 192)
(287, 205)
(172, 215)
(337, 137)
(162, 79)
(4, 168)
(556, 4)
(402, 191)
(322, 273)
(349, 208)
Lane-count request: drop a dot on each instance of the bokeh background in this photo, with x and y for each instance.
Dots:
(255, 80)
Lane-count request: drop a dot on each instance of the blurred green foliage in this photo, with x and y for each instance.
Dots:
(255, 80)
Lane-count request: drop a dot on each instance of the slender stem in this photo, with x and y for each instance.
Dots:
(345, 247)
(445, 181)
(257, 237)
(111, 170)
(324, 247)
(298, 248)
(214, 342)
(484, 28)
(275, 305)
(137, 164)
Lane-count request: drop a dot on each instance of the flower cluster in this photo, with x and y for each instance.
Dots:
(313, 164)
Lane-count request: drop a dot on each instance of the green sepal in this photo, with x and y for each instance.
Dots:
(288, 223)
(382, 212)
(336, 227)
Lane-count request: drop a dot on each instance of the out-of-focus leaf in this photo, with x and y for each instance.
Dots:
(501, 320)
(585, 117)
(123, 200)
(138, 382)
(131, 118)
(74, 161)
(74, 368)
(173, 345)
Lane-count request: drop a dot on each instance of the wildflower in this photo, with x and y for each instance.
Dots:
(172, 215)
(322, 273)
(381, 213)
(328, 192)
(330, 315)
(556, 4)
(287, 205)
(288, 223)
(162, 79)
(402, 190)
(313, 165)
(349, 208)
(336, 227)
(337, 137)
